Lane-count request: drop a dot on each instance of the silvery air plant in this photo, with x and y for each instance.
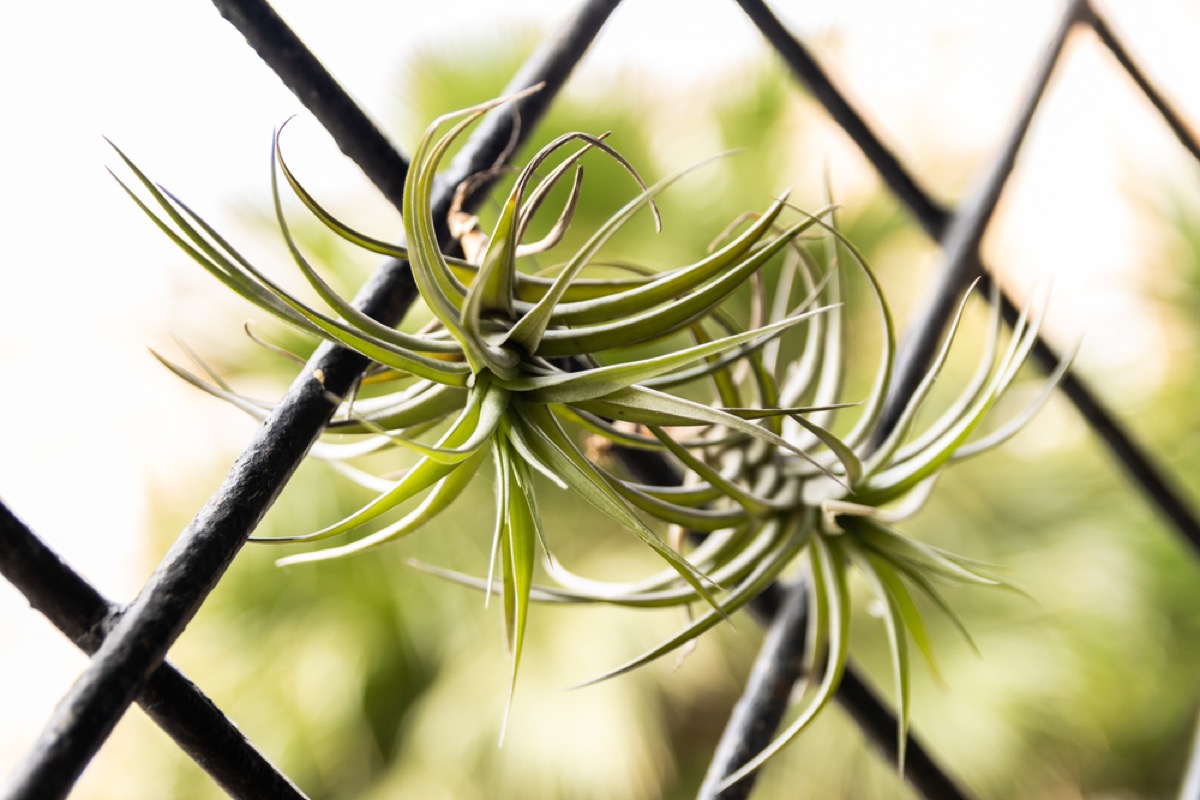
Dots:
(520, 370)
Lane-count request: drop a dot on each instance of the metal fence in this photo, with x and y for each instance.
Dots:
(128, 644)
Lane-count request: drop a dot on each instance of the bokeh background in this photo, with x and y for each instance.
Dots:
(365, 679)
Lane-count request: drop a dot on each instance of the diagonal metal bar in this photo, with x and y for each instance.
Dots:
(961, 238)
(141, 637)
(353, 131)
(755, 719)
(777, 667)
(169, 698)
(899, 180)
(920, 770)
(1160, 489)
(1164, 495)
(770, 684)
(784, 607)
(1174, 121)
(759, 711)
(756, 716)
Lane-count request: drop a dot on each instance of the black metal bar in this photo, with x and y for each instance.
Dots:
(183, 712)
(756, 712)
(1156, 483)
(870, 711)
(1170, 116)
(878, 723)
(961, 239)
(756, 715)
(1158, 487)
(353, 131)
(551, 64)
(1162, 491)
(140, 639)
(809, 72)
(920, 770)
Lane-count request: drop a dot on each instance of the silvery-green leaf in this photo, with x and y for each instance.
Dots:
(914, 402)
(554, 448)
(630, 403)
(326, 292)
(574, 387)
(899, 479)
(885, 585)
(419, 477)
(441, 290)
(829, 581)
(430, 402)
(1017, 423)
(972, 390)
(445, 492)
(517, 552)
(527, 332)
(667, 287)
(335, 330)
(492, 408)
(755, 504)
(764, 573)
(255, 408)
(896, 547)
(660, 321)
(906, 606)
(695, 519)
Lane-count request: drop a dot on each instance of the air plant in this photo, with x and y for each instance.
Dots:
(864, 482)
(516, 360)
(837, 504)
(512, 358)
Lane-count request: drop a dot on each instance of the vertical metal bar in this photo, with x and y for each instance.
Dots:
(140, 639)
(170, 699)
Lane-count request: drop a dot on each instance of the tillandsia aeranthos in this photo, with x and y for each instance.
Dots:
(515, 360)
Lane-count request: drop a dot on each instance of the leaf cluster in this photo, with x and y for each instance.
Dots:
(521, 367)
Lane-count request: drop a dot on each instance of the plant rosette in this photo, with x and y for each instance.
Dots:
(514, 360)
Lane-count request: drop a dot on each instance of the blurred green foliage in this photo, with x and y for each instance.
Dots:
(363, 678)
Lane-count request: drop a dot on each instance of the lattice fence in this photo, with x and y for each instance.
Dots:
(128, 644)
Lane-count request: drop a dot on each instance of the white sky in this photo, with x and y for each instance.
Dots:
(86, 285)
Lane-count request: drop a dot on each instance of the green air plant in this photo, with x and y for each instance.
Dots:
(512, 357)
(837, 503)
(515, 359)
